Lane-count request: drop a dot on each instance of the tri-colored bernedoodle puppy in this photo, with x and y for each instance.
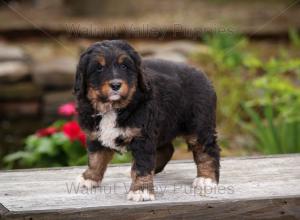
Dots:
(125, 102)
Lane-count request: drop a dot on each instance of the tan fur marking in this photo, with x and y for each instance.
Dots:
(133, 173)
(97, 164)
(205, 163)
(99, 106)
(191, 139)
(92, 94)
(142, 182)
(121, 58)
(131, 133)
(124, 103)
(105, 89)
(101, 60)
(124, 89)
(92, 135)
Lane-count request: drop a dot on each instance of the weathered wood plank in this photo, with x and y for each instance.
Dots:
(251, 188)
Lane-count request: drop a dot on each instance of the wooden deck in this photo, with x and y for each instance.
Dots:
(250, 188)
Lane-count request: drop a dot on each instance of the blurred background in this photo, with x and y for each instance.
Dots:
(249, 49)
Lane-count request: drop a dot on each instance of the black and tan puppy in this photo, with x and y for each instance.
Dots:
(128, 103)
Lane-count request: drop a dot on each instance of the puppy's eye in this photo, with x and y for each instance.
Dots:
(123, 67)
(100, 69)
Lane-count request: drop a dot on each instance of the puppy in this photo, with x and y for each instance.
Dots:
(128, 103)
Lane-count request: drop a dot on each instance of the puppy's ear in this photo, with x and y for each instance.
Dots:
(143, 82)
(79, 88)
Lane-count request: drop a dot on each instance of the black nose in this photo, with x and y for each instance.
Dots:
(115, 85)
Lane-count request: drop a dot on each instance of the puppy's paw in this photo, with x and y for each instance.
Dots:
(87, 183)
(140, 195)
(202, 182)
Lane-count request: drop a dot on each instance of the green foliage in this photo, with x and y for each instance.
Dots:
(280, 93)
(277, 129)
(226, 50)
(274, 135)
(61, 144)
(122, 158)
(294, 37)
(256, 96)
(53, 150)
(226, 62)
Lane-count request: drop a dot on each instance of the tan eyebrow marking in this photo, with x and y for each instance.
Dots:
(121, 58)
(101, 60)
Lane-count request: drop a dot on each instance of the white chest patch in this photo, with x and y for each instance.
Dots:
(108, 132)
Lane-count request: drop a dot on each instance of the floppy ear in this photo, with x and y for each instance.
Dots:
(79, 88)
(143, 83)
(142, 80)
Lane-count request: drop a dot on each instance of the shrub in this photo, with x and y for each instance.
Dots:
(256, 96)
(61, 144)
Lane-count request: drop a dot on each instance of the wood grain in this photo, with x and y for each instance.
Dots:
(250, 188)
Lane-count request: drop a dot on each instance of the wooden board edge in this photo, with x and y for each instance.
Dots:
(3, 211)
(269, 208)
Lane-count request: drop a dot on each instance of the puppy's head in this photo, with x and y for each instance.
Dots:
(108, 74)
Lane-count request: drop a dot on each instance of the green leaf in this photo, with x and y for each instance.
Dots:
(31, 142)
(294, 37)
(59, 138)
(46, 146)
(273, 135)
(59, 123)
(74, 151)
(16, 156)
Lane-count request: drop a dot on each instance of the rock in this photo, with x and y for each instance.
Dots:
(183, 47)
(172, 56)
(57, 73)
(11, 53)
(13, 71)
(52, 100)
(20, 92)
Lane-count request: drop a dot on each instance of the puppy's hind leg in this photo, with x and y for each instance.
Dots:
(163, 155)
(207, 159)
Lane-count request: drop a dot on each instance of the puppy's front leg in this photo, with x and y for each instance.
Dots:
(142, 170)
(99, 157)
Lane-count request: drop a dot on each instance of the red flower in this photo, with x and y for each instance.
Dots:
(82, 138)
(67, 109)
(46, 131)
(72, 130)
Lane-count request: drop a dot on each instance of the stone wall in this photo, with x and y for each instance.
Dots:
(31, 88)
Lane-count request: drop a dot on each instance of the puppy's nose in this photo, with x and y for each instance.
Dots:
(115, 85)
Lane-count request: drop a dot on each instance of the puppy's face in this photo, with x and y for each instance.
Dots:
(110, 73)
(111, 76)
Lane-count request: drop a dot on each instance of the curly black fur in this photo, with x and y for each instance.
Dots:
(170, 99)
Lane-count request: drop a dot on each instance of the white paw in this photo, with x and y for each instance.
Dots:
(86, 182)
(201, 182)
(140, 195)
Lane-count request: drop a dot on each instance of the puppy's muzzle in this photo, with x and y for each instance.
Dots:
(116, 87)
